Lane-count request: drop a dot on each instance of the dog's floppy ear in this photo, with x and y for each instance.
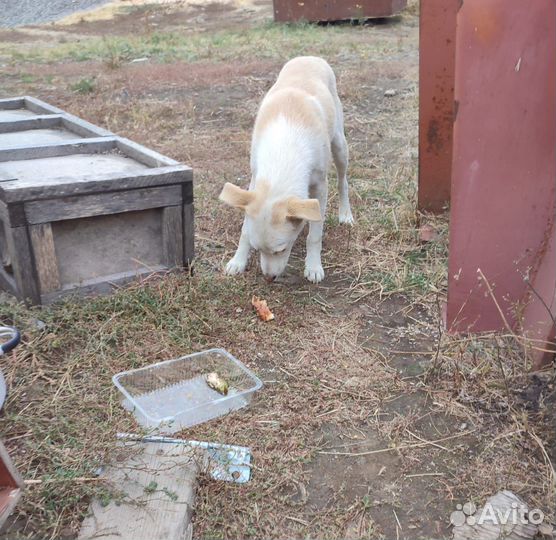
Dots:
(236, 197)
(308, 209)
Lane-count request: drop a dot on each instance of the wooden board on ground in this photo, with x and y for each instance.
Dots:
(155, 492)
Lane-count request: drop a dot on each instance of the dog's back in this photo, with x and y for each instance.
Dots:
(305, 94)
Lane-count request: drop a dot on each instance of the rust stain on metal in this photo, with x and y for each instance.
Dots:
(434, 139)
(456, 109)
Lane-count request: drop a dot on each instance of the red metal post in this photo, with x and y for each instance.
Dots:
(437, 45)
(502, 230)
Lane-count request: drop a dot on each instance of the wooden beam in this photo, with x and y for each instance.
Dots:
(33, 122)
(59, 148)
(188, 233)
(40, 107)
(172, 236)
(9, 104)
(144, 155)
(99, 204)
(23, 263)
(110, 182)
(45, 257)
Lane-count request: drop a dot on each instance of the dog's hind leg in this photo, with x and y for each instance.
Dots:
(238, 262)
(314, 271)
(340, 155)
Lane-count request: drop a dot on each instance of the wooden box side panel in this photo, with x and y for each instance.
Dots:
(90, 248)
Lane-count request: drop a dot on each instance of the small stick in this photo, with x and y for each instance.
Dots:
(403, 447)
(424, 474)
(545, 456)
(397, 520)
(32, 481)
(428, 442)
(297, 520)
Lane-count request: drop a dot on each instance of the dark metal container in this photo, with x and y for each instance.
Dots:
(334, 10)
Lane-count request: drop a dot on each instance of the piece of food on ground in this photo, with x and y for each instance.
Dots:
(262, 309)
(217, 383)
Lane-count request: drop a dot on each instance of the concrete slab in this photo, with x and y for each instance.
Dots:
(45, 171)
(32, 137)
(156, 493)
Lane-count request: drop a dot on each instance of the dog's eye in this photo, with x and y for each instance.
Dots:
(279, 251)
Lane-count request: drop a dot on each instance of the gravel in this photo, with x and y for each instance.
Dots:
(20, 12)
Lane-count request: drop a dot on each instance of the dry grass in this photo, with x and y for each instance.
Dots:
(357, 365)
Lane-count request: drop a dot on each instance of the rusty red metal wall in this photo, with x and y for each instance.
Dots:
(437, 46)
(504, 167)
(334, 10)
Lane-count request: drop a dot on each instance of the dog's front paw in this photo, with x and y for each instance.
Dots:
(345, 216)
(235, 266)
(315, 274)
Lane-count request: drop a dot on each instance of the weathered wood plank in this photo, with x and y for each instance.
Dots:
(143, 154)
(46, 262)
(40, 107)
(25, 275)
(157, 482)
(7, 282)
(8, 104)
(6, 177)
(4, 216)
(65, 187)
(188, 233)
(59, 148)
(172, 235)
(100, 204)
(33, 122)
(83, 128)
(16, 215)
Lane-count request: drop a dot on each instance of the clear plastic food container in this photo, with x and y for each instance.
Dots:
(173, 395)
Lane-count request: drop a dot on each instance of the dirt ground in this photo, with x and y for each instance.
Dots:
(372, 422)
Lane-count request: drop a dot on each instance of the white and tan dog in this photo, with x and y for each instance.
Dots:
(300, 123)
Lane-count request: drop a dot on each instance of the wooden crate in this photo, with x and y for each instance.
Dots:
(82, 209)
